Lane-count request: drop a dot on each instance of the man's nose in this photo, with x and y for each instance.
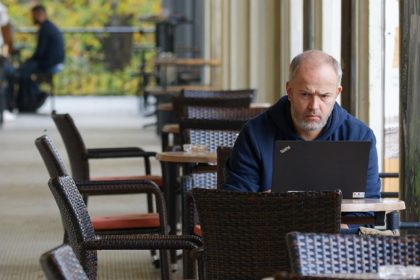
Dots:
(314, 102)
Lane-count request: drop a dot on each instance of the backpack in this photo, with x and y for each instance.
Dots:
(29, 97)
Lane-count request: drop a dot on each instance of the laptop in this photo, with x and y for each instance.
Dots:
(321, 165)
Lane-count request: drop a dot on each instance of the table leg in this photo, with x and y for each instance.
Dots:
(170, 172)
(393, 220)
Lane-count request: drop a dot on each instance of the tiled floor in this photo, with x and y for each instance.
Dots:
(30, 222)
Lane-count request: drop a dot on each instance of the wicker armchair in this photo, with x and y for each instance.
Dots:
(61, 263)
(283, 275)
(223, 155)
(218, 113)
(180, 103)
(119, 224)
(219, 93)
(244, 233)
(314, 253)
(84, 241)
(79, 155)
(212, 133)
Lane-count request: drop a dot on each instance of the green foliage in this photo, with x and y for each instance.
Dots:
(86, 72)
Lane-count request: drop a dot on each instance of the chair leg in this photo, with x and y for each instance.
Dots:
(165, 270)
(52, 94)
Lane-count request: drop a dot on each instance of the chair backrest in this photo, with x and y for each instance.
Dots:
(180, 103)
(212, 133)
(244, 234)
(223, 155)
(75, 218)
(222, 113)
(51, 156)
(61, 263)
(219, 93)
(315, 253)
(75, 147)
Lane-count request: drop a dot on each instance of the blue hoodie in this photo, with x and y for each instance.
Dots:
(250, 166)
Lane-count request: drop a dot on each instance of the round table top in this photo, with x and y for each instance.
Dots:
(372, 204)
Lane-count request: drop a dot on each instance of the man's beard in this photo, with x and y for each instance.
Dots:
(310, 125)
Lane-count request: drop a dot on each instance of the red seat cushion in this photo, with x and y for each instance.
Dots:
(154, 178)
(150, 220)
(197, 230)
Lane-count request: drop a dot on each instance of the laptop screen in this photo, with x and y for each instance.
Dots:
(321, 165)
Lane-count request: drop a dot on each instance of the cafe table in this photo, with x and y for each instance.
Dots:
(171, 163)
(384, 209)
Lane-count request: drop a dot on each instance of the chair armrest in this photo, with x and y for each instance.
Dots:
(117, 187)
(123, 152)
(143, 242)
(127, 187)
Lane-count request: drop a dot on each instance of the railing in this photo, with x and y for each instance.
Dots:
(99, 60)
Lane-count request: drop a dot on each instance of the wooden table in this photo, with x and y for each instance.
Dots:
(383, 209)
(372, 205)
(171, 163)
(176, 90)
(187, 62)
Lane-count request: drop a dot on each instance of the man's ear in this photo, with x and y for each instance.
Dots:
(289, 89)
(339, 90)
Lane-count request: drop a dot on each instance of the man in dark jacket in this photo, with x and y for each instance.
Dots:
(47, 58)
(309, 112)
(49, 51)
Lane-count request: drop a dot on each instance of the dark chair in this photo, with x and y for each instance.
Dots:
(48, 79)
(61, 263)
(244, 234)
(119, 224)
(222, 113)
(79, 155)
(315, 253)
(283, 275)
(84, 241)
(212, 133)
(223, 155)
(180, 103)
(220, 93)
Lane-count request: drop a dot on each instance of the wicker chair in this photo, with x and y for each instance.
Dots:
(61, 263)
(120, 224)
(180, 103)
(219, 93)
(84, 241)
(314, 253)
(283, 275)
(218, 113)
(244, 233)
(79, 155)
(223, 155)
(212, 133)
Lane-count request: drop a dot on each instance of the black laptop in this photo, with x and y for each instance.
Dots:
(321, 165)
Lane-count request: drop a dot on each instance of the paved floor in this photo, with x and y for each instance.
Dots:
(29, 218)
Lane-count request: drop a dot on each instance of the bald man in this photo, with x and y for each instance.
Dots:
(309, 112)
